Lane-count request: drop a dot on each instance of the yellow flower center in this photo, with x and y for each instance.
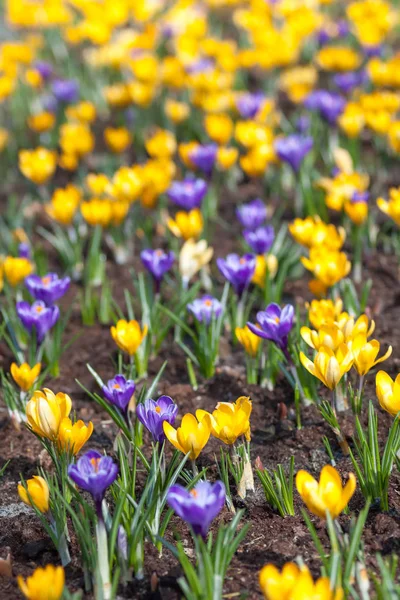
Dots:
(277, 320)
(39, 309)
(194, 493)
(46, 280)
(158, 253)
(158, 409)
(208, 302)
(116, 386)
(95, 462)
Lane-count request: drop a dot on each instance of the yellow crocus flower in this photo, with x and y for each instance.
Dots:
(229, 420)
(186, 224)
(311, 231)
(327, 494)
(249, 340)
(193, 257)
(226, 157)
(25, 376)
(15, 269)
(219, 127)
(324, 311)
(391, 207)
(128, 336)
(97, 212)
(71, 437)
(365, 353)
(43, 584)
(295, 583)
(352, 328)
(191, 436)
(118, 139)
(329, 335)
(38, 491)
(161, 145)
(37, 165)
(388, 392)
(45, 411)
(329, 366)
(64, 204)
(328, 266)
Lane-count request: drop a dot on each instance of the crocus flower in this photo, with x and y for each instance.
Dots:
(24, 251)
(187, 194)
(248, 104)
(153, 413)
(205, 308)
(203, 157)
(275, 323)
(49, 288)
(229, 420)
(94, 473)
(45, 411)
(16, 269)
(365, 354)
(65, 90)
(44, 68)
(186, 225)
(248, 340)
(128, 336)
(73, 436)
(347, 81)
(38, 491)
(38, 316)
(191, 436)
(329, 366)
(238, 270)
(157, 262)
(252, 214)
(199, 506)
(330, 105)
(119, 391)
(46, 584)
(327, 494)
(293, 148)
(25, 376)
(295, 582)
(260, 240)
(193, 257)
(388, 392)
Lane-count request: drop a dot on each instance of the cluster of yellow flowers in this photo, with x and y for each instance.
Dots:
(341, 342)
(228, 422)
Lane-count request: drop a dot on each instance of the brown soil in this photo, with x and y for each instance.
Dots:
(270, 538)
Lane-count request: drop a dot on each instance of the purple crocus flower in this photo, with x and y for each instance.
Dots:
(199, 506)
(45, 69)
(119, 392)
(203, 157)
(360, 197)
(260, 240)
(66, 90)
(249, 104)
(49, 288)
(188, 194)
(293, 148)
(303, 124)
(346, 82)
(275, 323)
(373, 51)
(330, 105)
(252, 214)
(94, 473)
(238, 270)
(38, 316)
(157, 262)
(153, 413)
(203, 65)
(24, 250)
(205, 308)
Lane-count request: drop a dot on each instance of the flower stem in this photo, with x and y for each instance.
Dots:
(102, 553)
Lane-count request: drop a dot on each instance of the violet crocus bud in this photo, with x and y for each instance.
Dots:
(205, 308)
(203, 157)
(248, 104)
(66, 90)
(238, 270)
(199, 506)
(157, 262)
(94, 473)
(293, 149)
(24, 250)
(330, 105)
(49, 288)
(260, 240)
(45, 69)
(346, 82)
(275, 325)
(187, 194)
(153, 413)
(252, 214)
(122, 543)
(38, 316)
(119, 392)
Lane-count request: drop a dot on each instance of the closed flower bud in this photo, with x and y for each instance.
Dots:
(71, 437)
(128, 336)
(327, 495)
(388, 392)
(35, 492)
(191, 436)
(25, 376)
(45, 411)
